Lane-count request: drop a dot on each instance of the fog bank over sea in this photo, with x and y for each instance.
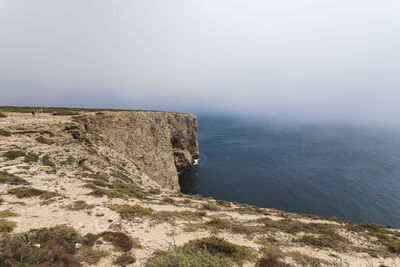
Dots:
(326, 169)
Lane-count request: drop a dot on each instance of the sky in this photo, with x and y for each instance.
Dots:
(303, 59)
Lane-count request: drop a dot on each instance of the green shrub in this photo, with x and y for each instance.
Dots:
(168, 200)
(169, 216)
(210, 206)
(178, 256)
(322, 241)
(44, 140)
(273, 261)
(219, 247)
(194, 197)
(31, 157)
(47, 162)
(2, 115)
(7, 213)
(8, 178)
(4, 133)
(117, 190)
(13, 154)
(128, 212)
(90, 255)
(26, 192)
(79, 205)
(154, 191)
(57, 248)
(223, 203)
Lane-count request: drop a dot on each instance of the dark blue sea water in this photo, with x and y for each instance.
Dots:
(330, 170)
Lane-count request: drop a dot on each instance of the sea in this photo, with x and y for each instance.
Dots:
(309, 168)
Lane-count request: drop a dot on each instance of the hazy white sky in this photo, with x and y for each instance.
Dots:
(322, 59)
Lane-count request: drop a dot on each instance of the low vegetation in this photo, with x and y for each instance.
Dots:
(57, 246)
(13, 154)
(79, 205)
(90, 255)
(272, 261)
(154, 191)
(124, 260)
(171, 216)
(2, 115)
(44, 140)
(8, 178)
(210, 251)
(4, 133)
(26, 192)
(116, 190)
(31, 157)
(6, 227)
(248, 209)
(168, 200)
(128, 212)
(7, 213)
(47, 162)
(210, 206)
(388, 240)
(178, 256)
(119, 240)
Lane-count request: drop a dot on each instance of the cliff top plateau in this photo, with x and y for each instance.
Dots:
(100, 188)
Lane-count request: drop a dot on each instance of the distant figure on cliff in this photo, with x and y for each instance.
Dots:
(33, 112)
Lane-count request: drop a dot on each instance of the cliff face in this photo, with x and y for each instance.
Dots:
(159, 143)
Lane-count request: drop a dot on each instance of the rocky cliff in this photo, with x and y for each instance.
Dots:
(160, 144)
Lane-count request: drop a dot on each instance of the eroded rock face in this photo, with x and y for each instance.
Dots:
(159, 143)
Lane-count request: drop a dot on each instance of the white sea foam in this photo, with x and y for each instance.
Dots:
(196, 161)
